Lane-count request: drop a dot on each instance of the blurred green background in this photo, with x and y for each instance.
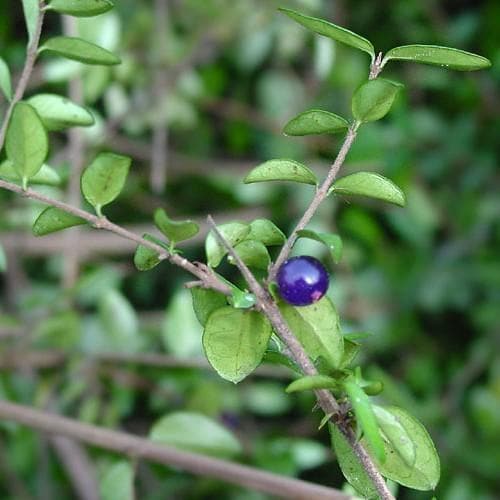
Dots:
(199, 103)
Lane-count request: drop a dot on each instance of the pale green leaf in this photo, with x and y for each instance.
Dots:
(5, 80)
(53, 219)
(282, 170)
(117, 482)
(312, 382)
(46, 175)
(241, 299)
(233, 233)
(175, 231)
(3, 260)
(332, 241)
(31, 11)
(267, 232)
(197, 433)
(146, 258)
(58, 113)
(103, 180)
(374, 99)
(235, 341)
(315, 121)
(332, 31)
(369, 184)
(80, 50)
(253, 253)
(205, 302)
(81, 8)
(446, 57)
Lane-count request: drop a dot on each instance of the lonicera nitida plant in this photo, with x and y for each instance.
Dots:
(284, 317)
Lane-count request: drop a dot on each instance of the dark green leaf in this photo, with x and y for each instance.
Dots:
(373, 99)
(332, 241)
(282, 170)
(146, 258)
(103, 180)
(266, 231)
(5, 80)
(369, 184)
(31, 11)
(79, 50)
(445, 57)
(117, 482)
(253, 253)
(26, 143)
(332, 31)
(53, 219)
(233, 232)
(315, 121)
(46, 175)
(366, 418)
(205, 302)
(195, 432)
(235, 341)
(58, 113)
(312, 382)
(81, 8)
(175, 231)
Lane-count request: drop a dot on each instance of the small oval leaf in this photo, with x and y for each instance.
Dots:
(175, 231)
(79, 50)
(332, 241)
(315, 121)
(31, 10)
(46, 175)
(58, 113)
(53, 219)
(332, 31)
(81, 8)
(235, 341)
(146, 258)
(205, 302)
(312, 382)
(5, 80)
(445, 57)
(267, 232)
(253, 253)
(373, 99)
(233, 232)
(369, 184)
(117, 482)
(282, 170)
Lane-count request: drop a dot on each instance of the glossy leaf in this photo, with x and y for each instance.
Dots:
(281, 170)
(58, 113)
(26, 143)
(31, 11)
(195, 432)
(205, 302)
(445, 57)
(369, 184)
(5, 80)
(267, 232)
(103, 180)
(46, 175)
(315, 121)
(332, 31)
(351, 467)
(233, 233)
(374, 99)
(332, 241)
(175, 231)
(53, 219)
(81, 8)
(117, 482)
(365, 418)
(235, 341)
(312, 382)
(146, 258)
(80, 50)
(253, 253)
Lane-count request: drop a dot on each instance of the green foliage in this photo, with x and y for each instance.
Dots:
(5, 80)
(146, 258)
(3, 260)
(253, 253)
(332, 241)
(282, 170)
(205, 302)
(233, 233)
(117, 481)
(54, 219)
(266, 232)
(175, 231)
(315, 121)
(31, 11)
(81, 8)
(46, 175)
(312, 382)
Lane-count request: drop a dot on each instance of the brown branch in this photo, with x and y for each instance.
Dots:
(141, 448)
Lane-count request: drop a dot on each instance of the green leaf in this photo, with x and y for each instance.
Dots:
(242, 299)
(369, 184)
(235, 341)
(146, 258)
(79, 50)
(26, 143)
(366, 418)
(253, 253)
(81, 8)
(351, 467)
(54, 219)
(351, 349)
(373, 99)
(31, 11)
(175, 231)
(103, 180)
(46, 175)
(205, 302)
(424, 473)
(282, 170)
(332, 31)
(395, 435)
(317, 328)
(332, 241)
(267, 232)
(117, 482)
(3, 260)
(312, 382)
(197, 433)
(5, 80)
(233, 232)
(58, 113)
(446, 57)
(315, 121)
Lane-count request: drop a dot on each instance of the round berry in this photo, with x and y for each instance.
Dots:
(302, 280)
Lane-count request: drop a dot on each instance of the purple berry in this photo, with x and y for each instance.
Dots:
(302, 280)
